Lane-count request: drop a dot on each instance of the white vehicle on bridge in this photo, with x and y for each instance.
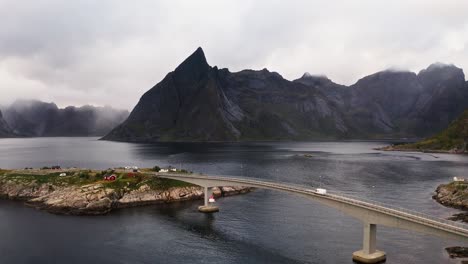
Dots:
(321, 191)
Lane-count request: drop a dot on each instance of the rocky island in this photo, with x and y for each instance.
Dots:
(455, 194)
(93, 192)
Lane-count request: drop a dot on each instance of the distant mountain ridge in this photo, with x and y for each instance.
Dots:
(32, 118)
(197, 102)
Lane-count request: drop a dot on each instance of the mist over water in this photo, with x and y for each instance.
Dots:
(261, 227)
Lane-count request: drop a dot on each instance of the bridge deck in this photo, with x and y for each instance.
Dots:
(412, 216)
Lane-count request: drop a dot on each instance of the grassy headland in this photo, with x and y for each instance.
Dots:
(83, 191)
(454, 139)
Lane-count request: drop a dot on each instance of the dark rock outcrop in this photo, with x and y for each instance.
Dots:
(457, 252)
(5, 130)
(197, 102)
(37, 119)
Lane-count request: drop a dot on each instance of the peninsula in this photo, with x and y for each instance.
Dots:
(454, 139)
(93, 192)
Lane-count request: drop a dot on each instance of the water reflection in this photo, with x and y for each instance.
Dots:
(261, 227)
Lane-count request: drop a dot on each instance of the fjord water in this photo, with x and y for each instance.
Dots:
(261, 227)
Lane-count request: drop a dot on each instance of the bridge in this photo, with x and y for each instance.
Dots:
(371, 213)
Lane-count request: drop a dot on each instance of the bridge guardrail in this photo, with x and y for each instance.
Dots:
(401, 209)
(335, 195)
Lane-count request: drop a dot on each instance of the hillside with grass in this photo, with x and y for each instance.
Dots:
(454, 139)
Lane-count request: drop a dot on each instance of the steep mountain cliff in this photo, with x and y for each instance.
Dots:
(5, 130)
(37, 119)
(197, 102)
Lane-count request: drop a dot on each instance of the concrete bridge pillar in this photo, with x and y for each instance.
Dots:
(207, 207)
(208, 192)
(369, 253)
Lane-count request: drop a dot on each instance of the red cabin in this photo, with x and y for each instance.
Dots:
(110, 178)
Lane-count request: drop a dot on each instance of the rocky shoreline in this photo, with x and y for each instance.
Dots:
(99, 198)
(397, 148)
(454, 194)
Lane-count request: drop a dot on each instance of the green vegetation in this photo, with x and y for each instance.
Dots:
(164, 184)
(41, 177)
(454, 138)
(124, 179)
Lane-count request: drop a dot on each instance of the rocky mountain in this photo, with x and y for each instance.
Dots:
(38, 119)
(197, 102)
(454, 139)
(5, 130)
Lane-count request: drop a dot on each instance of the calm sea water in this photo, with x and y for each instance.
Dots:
(261, 227)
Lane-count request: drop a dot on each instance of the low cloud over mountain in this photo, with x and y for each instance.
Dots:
(38, 119)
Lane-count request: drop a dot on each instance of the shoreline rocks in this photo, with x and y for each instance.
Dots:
(454, 194)
(397, 148)
(457, 252)
(97, 199)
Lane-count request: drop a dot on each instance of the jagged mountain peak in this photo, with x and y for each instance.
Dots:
(440, 65)
(23, 104)
(310, 79)
(386, 75)
(308, 75)
(442, 71)
(194, 64)
(197, 102)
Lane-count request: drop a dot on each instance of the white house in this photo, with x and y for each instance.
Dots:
(458, 179)
(63, 174)
(163, 170)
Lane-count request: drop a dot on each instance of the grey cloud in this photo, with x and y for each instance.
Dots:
(111, 52)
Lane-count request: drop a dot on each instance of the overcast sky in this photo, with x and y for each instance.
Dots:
(111, 52)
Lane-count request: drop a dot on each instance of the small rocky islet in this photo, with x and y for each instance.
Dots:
(455, 194)
(86, 192)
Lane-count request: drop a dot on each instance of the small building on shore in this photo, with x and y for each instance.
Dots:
(112, 177)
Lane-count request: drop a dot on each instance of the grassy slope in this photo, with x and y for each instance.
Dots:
(455, 137)
(83, 177)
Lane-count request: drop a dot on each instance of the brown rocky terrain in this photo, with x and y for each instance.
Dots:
(100, 197)
(454, 194)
